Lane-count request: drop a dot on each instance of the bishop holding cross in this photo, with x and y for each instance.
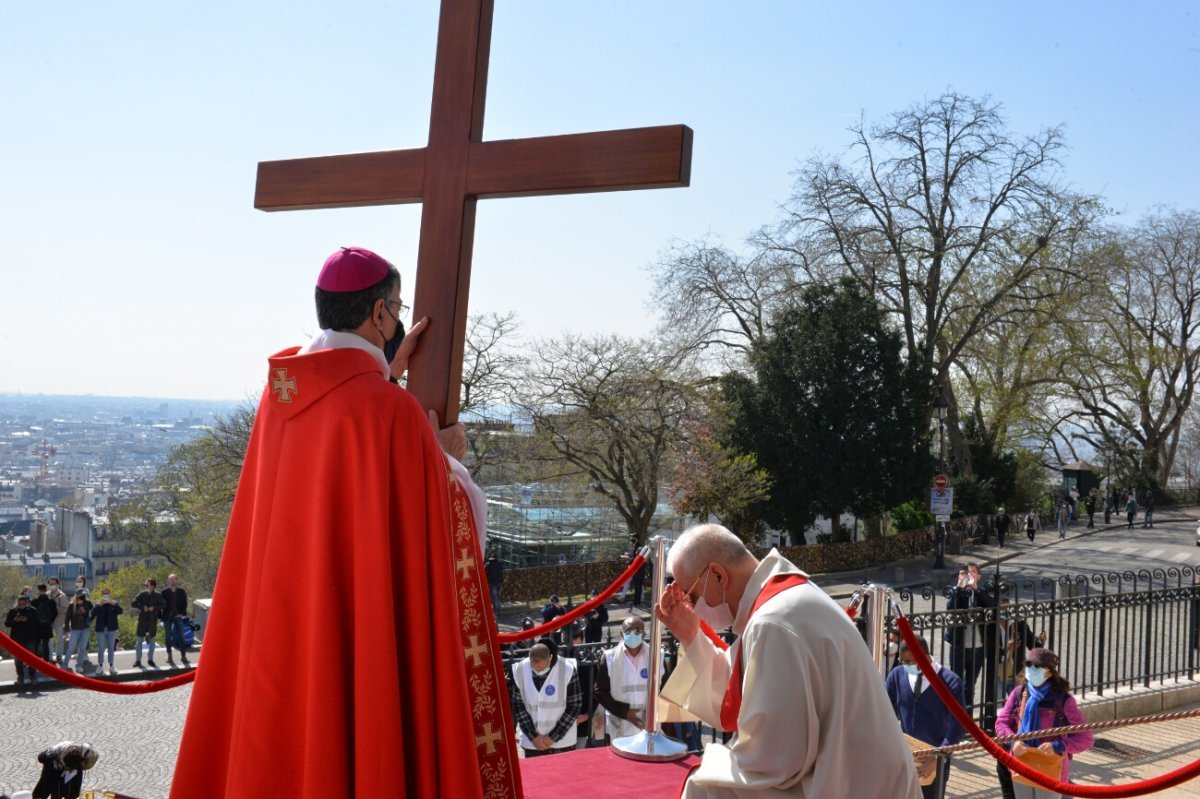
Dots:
(346, 485)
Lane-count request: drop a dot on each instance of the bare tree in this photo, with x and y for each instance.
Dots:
(711, 298)
(943, 216)
(1134, 350)
(612, 408)
(490, 365)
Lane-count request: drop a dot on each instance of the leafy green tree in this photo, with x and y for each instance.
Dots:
(125, 584)
(713, 480)
(833, 414)
(183, 519)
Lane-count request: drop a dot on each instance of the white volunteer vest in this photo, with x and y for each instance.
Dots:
(546, 706)
(629, 682)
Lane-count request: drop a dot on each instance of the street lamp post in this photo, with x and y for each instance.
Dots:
(940, 403)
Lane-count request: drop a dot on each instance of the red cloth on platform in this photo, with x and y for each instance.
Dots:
(333, 659)
(599, 773)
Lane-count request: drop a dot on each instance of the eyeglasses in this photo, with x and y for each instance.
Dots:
(402, 310)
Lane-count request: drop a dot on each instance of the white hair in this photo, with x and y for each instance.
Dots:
(704, 544)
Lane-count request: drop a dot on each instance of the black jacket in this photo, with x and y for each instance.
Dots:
(79, 619)
(106, 616)
(175, 603)
(23, 624)
(47, 610)
(964, 599)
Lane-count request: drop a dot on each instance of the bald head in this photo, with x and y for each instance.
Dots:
(707, 543)
(710, 563)
(539, 656)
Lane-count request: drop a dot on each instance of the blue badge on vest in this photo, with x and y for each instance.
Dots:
(549, 690)
(645, 672)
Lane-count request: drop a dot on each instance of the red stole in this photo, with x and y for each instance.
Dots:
(495, 741)
(731, 706)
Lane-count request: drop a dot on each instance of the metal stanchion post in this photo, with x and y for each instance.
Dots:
(651, 744)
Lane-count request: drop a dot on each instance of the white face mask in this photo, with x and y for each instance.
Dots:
(718, 617)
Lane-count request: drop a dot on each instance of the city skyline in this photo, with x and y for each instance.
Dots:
(132, 262)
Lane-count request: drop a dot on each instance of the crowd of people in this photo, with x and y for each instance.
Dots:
(59, 626)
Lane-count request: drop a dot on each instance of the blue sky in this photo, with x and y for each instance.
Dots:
(133, 263)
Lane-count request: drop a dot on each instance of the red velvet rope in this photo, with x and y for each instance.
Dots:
(79, 681)
(1139, 788)
(577, 612)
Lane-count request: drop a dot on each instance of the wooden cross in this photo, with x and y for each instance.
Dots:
(454, 170)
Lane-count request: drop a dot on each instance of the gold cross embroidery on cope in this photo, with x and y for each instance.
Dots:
(283, 385)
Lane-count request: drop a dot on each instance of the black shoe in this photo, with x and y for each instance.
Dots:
(184, 661)
(150, 663)
(171, 662)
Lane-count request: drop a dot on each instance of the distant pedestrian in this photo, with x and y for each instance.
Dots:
(149, 604)
(175, 611)
(1148, 519)
(1090, 505)
(593, 629)
(1002, 522)
(639, 584)
(551, 611)
(493, 570)
(1031, 524)
(22, 623)
(79, 622)
(105, 613)
(1130, 510)
(1063, 517)
(59, 627)
(47, 611)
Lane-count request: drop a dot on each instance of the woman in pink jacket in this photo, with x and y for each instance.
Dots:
(1041, 700)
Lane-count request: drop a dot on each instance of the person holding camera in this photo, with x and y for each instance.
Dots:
(968, 637)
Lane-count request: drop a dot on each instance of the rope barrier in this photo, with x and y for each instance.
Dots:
(79, 681)
(578, 612)
(1053, 732)
(1139, 788)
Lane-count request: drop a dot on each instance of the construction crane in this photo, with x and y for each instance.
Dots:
(46, 453)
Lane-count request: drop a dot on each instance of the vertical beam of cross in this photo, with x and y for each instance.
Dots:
(456, 169)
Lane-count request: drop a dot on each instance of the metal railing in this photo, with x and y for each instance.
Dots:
(1111, 630)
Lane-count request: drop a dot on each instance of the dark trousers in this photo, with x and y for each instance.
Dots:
(937, 788)
(26, 672)
(1005, 777)
(967, 663)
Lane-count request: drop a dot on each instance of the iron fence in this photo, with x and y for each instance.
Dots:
(1111, 630)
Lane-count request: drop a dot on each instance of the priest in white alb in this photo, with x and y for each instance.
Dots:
(798, 688)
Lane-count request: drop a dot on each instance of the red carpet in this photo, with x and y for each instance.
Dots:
(599, 774)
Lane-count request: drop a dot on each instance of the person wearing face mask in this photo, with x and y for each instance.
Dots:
(79, 620)
(22, 624)
(1041, 700)
(798, 689)
(546, 698)
(81, 587)
(349, 487)
(105, 614)
(923, 716)
(623, 680)
(59, 626)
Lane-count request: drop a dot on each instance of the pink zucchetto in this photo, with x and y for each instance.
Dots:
(351, 269)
